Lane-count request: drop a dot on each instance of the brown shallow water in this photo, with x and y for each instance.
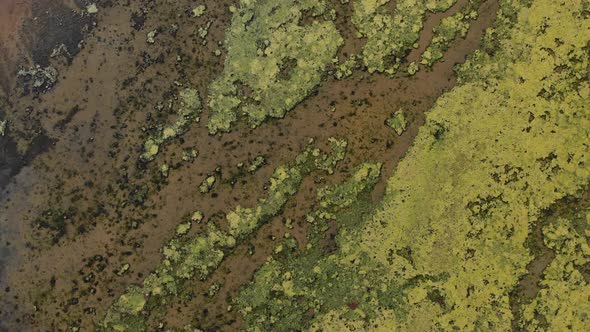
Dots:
(76, 146)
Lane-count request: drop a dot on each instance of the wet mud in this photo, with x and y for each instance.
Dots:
(70, 160)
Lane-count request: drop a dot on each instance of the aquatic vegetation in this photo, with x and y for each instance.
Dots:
(447, 31)
(397, 122)
(245, 168)
(287, 287)
(345, 69)
(92, 9)
(189, 155)
(481, 222)
(562, 302)
(258, 162)
(37, 79)
(198, 11)
(3, 125)
(391, 36)
(335, 198)
(188, 111)
(165, 170)
(203, 31)
(151, 36)
(283, 184)
(189, 257)
(413, 68)
(207, 184)
(447, 245)
(494, 153)
(273, 60)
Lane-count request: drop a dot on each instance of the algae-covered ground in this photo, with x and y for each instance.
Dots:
(296, 165)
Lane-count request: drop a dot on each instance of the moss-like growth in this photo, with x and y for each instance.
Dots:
(189, 257)
(335, 198)
(198, 11)
(188, 111)
(258, 162)
(37, 79)
(3, 125)
(562, 302)
(345, 69)
(207, 184)
(273, 60)
(289, 286)
(397, 122)
(447, 246)
(495, 152)
(391, 37)
(447, 31)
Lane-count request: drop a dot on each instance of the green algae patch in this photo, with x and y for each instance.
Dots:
(447, 246)
(151, 36)
(183, 228)
(273, 60)
(332, 199)
(291, 283)
(188, 257)
(562, 302)
(397, 122)
(197, 217)
(124, 315)
(391, 36)
(188, 111)
(207, 184)
(494, 153)
(258, 162)
(284, 183)
(198, 11)
(3, 125)
(345, 69)
(37, 79)
(450, 28)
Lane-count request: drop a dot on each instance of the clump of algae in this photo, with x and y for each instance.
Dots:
(391, 36)
(450, 28)
(446, 247)
(196, 257)
(273, 60)
(188, 111)
(291, 283)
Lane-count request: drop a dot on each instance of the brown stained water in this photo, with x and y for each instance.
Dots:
(76, 146)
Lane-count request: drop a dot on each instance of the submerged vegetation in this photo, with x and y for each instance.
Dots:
(448, 30)
(188, 112)
(391, 36)
(446, 247)
(422, 203)
(187, 257)
(274, 60)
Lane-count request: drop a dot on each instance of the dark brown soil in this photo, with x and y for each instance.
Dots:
(96, 116)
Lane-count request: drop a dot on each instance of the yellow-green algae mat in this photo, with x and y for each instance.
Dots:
(447, 246)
